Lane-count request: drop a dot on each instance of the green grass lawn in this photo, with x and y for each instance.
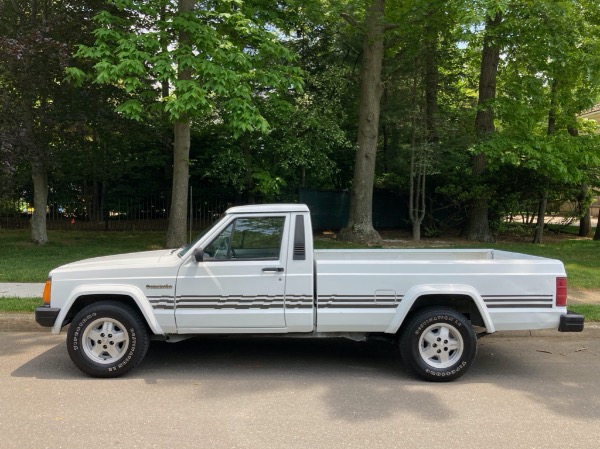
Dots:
(591, 312)
(19, 305)
(580, 257)
(23, 261)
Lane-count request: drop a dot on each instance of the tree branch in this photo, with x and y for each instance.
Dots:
(18, 10)
(351, 20)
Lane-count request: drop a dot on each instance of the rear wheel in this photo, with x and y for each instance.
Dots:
(438, 344)
(107, 339)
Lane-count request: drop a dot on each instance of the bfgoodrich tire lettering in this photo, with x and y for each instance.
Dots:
(107, 339)
(438, 344)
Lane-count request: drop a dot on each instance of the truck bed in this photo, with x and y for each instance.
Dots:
(418, 254)
(370, 285)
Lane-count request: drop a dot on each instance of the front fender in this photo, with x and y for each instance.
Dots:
(443, 289)
(126, 290)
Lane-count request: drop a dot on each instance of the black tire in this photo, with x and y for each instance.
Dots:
(107, 339)
(438, 344)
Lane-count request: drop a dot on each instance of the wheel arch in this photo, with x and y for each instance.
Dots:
(462, 298)
(81, 297)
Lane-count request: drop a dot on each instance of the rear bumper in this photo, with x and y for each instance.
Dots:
(46, 316)
(571, 322)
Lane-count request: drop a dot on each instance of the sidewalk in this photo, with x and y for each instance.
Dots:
(21, 290)
(25, 322)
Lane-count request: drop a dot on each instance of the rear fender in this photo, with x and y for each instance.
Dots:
(415, 293)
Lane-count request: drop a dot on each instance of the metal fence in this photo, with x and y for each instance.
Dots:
(329, 210)
(146, 214)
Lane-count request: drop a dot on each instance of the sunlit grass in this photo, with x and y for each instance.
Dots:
(23, 261)
(19, 305)
(591, 312)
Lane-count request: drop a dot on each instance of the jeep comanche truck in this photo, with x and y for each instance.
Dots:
(255, 272)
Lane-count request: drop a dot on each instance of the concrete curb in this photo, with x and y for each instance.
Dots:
(591, 330)
(20, 322)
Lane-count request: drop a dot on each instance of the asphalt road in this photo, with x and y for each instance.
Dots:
(534, 392)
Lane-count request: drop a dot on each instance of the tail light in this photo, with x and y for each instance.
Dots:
(561, 292)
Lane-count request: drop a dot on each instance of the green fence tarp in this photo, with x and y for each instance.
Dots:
(329, 209)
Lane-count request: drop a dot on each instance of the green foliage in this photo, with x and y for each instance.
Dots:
(559, 156)
(271, 90)
(214, 59)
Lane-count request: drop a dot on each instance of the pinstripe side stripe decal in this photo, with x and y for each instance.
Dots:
(518, 301)
(232, 302)
(328, 302)
(358, 301)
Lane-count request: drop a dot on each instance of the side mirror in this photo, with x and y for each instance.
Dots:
(199, 255)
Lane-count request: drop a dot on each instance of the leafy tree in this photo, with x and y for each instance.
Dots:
(35, 42)
(215, 57)
(309, 136)
(548, 78)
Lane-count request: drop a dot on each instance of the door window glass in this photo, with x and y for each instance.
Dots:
(257, 238)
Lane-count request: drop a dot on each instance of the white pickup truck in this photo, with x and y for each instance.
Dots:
(255, 272)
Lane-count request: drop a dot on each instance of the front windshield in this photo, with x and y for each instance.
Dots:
(184, 249)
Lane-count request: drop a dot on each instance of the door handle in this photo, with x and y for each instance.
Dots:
(273, 270)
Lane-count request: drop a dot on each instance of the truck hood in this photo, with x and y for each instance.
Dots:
(131, 260)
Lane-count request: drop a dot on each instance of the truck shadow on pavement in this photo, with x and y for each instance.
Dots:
(359, 380)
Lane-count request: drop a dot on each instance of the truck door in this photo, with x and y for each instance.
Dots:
(240, 283)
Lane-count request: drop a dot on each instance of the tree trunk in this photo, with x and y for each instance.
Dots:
(539, 229)
(416, 202)
(585, 224)
(176, 232)
(585, 219)
(551, 129)
(597, 233)
(431, 76)
(104, 190)
(360, 223)
(40, 204)
(478, 227)
(416, 231)
(39, 176)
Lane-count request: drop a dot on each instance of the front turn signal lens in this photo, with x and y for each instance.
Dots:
(46, 295)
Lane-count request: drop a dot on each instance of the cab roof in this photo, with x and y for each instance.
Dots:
(268, 208)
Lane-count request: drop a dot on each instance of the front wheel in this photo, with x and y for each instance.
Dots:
(107, 339)
(438, 344)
